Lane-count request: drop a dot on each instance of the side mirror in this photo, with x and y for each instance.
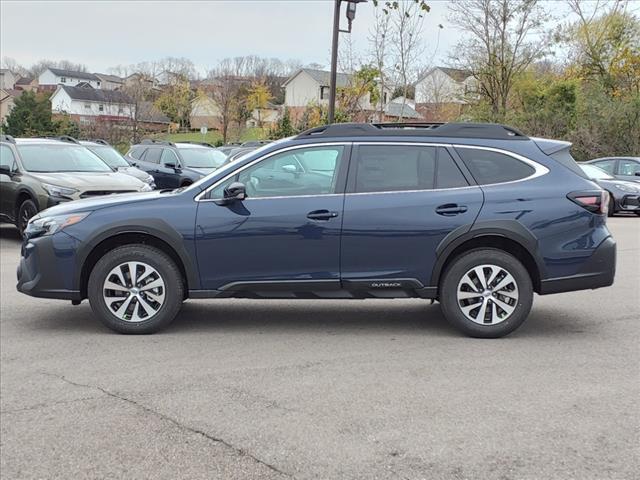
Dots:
(290, 168)
(172, 165)
(6, 170)
(637, 174)
(233, 193)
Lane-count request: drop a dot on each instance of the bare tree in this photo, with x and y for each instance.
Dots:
(379, 39)
(503, 37)
(224, 90)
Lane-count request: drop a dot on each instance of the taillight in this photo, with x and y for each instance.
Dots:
(596, 201)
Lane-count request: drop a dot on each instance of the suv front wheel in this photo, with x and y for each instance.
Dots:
(135, 289)
(486, 293)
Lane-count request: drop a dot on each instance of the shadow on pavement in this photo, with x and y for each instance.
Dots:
(10, 234)
(336, 317)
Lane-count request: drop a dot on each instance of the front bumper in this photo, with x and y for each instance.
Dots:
(47, 267)
(629, 203)
(598, 271)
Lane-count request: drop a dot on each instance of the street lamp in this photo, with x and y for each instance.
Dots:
(351, 15)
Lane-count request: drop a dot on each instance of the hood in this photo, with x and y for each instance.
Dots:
(135, 172)
(199, 171)
(95, 203)
(90, 180)
(609, 184)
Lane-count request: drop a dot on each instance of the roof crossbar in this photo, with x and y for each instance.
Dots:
(153, 141)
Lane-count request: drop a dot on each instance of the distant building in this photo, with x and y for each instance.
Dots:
(401, 108)
(27, 84)
(7, 97)
(442, 93)
(7, 78)
(86, 104)
(110, 82)
(311, 87)
(205, 113)
(268, 116)
(151, 118)
(52, 77)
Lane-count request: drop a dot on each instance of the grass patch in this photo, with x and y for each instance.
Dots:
(214, 136)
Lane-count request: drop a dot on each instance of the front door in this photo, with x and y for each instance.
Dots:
(8, 187)
(286, 233)
(401, 201)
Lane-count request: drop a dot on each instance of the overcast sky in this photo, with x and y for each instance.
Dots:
(103, 34)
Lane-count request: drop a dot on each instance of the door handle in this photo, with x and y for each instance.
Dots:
(321, 215)
(449, 209)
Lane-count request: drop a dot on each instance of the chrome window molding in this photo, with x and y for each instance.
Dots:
(539, 169)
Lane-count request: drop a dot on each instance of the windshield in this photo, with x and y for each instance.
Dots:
(595, 172)
(60, 158)
(110, 156)
(202, 157)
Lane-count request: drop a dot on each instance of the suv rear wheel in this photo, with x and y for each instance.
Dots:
(135, 289)
(486, 293)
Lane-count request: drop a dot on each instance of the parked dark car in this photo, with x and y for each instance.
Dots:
(115, 160)
(38, 173)
(623, 196)
(174, 165)
(236, 153)
(477, 216)
(623, 168)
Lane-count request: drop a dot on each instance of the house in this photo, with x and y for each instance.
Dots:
(52, 77)
(110, 82)
(27, 84)
(442, 93)
(311, 87)
(205, 113)
(7, 79)
(151, 118)
(401, 108)
(7, 97)
(268, 116)
(86, 104)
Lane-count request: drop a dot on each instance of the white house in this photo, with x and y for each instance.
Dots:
(7, 79)
(110, 82)
(444, 85)
(87, 103)
(308, 86)
(56, 76)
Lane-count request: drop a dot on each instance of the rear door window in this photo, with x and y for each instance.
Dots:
(489, 167)
(136, 152)
(153, 155)
(390, 168)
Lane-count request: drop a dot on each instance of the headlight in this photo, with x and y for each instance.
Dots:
(150, 180)
(40, 226)
(146, 188)
(626, 188)
(56, 191)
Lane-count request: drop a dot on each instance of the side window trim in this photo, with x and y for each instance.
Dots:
(205, 195)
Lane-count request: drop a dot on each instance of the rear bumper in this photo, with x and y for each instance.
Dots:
(46, 267)
(598, 271)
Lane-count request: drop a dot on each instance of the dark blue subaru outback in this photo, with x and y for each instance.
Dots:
(477, 216)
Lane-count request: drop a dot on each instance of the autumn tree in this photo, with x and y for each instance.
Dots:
(501, 38)
(258, 99)
(175, 102)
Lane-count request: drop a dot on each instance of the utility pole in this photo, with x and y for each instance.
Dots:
(351, 15)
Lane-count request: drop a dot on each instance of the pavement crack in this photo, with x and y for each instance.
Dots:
(45, 405)
(175, 422)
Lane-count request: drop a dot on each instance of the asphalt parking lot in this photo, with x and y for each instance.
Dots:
(242, 389)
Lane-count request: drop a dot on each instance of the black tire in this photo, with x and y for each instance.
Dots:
(185, 184)
(612, 206)
(165, 268)
(456, 271)
(27, 210)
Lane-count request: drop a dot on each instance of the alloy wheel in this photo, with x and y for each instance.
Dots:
(487, 294)
(134, 291)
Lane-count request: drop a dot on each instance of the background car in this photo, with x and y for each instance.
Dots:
(115, 160)
(174, 165)
(624, 196)
(623, 168)
(38, 173)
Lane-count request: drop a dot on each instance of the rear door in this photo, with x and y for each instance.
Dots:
(401, 201)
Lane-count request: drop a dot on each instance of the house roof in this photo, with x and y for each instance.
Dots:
(24, 81)
(109, 78)
(93, 95)
(457, 74)
(394, 109)
(148, 112)
(70, 73)
(10, 92)
(323, 77)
